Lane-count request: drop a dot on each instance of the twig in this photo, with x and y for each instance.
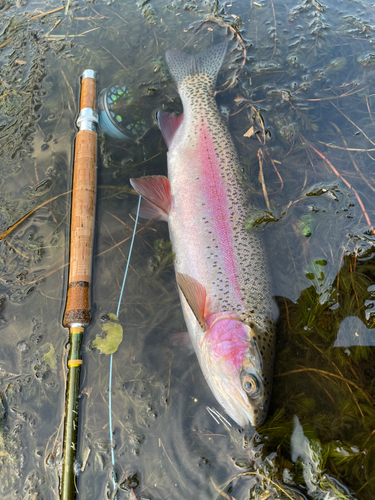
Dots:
(353, 286)
(287, 314)
(46, 13)
(349, 120)
(100, 15)
(274, 19)
(351, 157)
(6, 43)
(53, 27)
(120, 243)
(261, 179)
(368, 109)
(70, 36)
(327, 374)
(219, 490)
(366, 483)
(165, 451)
(346, 148)
(19, 222)
(239, 38)
(323, 389)
(338, 96)
(340, 373)
(344, 181)
(15, 249)
(277, 173)
(70, 91)
(122, 19)
(114, 57)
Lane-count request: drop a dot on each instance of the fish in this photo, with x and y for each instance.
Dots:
(221, 268)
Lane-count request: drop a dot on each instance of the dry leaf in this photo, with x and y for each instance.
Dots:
(249, 133)
(50, 356)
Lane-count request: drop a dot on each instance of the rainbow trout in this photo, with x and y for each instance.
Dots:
(221, 268)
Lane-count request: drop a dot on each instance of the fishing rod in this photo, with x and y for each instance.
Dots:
(77, 314)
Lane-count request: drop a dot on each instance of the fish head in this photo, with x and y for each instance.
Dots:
(238, 371)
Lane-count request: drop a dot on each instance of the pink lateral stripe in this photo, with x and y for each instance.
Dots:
(217, 201)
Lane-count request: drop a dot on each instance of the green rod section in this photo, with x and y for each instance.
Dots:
(68, 488)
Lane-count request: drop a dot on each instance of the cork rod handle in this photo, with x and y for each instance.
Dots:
(77, 309)
(88, 93)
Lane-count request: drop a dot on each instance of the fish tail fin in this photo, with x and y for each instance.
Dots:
(182, 65)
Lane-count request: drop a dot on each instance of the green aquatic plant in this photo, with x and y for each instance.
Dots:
(349, 403)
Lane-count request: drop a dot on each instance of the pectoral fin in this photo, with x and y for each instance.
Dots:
(148, 210)
(156, 191)
(195, 295)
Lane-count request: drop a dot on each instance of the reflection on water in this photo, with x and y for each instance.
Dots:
(353, 332)
(303, 95)
(310, 453)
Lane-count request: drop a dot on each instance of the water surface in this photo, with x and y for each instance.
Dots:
(298, 83)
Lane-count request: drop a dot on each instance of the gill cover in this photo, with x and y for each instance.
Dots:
(230, 358)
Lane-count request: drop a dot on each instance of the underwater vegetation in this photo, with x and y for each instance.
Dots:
(298, 88)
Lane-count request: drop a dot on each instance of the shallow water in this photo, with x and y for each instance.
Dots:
(304, 97)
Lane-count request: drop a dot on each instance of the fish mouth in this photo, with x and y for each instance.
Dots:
(243, 410)
(236, 403)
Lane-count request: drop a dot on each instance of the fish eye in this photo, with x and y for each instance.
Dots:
(251, 386)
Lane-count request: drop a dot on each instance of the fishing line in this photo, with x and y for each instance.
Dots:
(111, 358)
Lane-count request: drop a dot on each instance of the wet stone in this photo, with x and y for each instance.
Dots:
(23, 346)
